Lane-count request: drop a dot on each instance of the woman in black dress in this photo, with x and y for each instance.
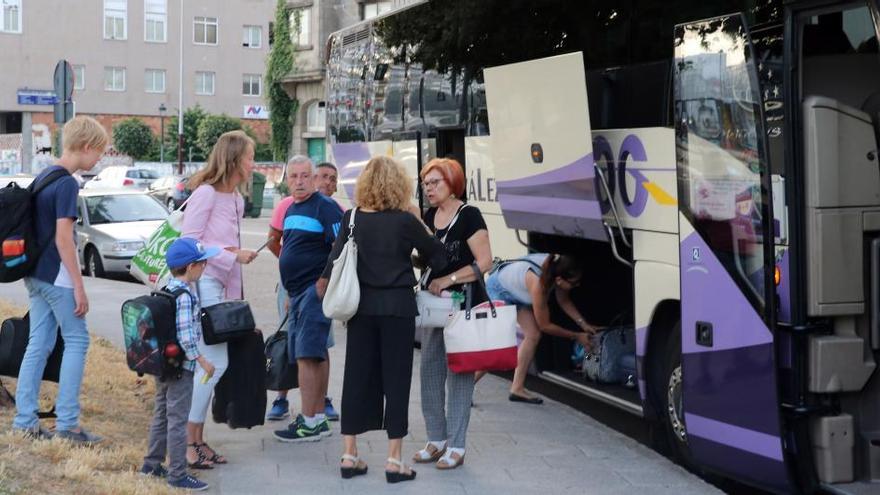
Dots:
(379, 347)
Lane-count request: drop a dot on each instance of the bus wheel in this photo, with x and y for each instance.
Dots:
(667, 388)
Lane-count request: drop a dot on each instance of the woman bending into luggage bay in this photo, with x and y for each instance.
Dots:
(379, 347)
(528, 283)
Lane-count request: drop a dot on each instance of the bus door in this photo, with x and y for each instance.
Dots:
(725, 391)
(542, 147)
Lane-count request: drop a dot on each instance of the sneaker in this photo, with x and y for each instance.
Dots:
(158, 471)
(329, 410)
(189, 482)
(301, 433)
(35, 433)
(299, 420)
(324, 428)
(280, 410)
(82, 437)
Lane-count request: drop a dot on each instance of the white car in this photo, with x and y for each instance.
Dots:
(113, 226)
(123, 177)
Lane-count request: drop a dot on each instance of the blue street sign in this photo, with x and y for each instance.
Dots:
(36, 97)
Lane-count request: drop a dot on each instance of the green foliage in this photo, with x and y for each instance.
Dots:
(133, 137)
(282, 108)
(192, 117)
(211, 128)
(263, 151)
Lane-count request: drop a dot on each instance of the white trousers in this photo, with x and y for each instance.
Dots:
(211, 292)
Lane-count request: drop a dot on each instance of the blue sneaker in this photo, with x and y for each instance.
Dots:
(158, 471)
(301, 433)
(189, 482)
(329, 411)
(280, 410)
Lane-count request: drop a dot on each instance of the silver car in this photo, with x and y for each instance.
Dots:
(112, 226)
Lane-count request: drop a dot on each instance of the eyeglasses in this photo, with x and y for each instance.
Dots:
(430, 184)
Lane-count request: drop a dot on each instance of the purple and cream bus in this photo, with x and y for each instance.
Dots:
(714, 163)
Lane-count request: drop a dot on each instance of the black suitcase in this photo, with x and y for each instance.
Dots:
(14, 333)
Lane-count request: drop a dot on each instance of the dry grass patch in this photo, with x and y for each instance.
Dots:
(115, 404)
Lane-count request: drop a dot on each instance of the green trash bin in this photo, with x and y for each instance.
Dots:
(255, 205)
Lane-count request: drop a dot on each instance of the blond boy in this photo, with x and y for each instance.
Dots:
(55, 288)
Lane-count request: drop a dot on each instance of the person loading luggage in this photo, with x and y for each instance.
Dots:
(528, 283)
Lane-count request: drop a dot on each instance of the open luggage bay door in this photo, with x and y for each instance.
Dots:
(542, 149)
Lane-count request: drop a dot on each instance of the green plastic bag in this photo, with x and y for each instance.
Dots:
(148, 265)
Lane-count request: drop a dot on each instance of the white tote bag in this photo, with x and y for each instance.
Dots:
(435, 311)
(482, 339)
(344, 291)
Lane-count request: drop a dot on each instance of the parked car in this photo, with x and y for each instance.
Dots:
(170, 190)
(112, 226)
(123, 177)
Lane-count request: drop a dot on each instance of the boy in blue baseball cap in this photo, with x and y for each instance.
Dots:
(186, 260)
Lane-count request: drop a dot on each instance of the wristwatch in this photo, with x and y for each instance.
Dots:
(453, 278)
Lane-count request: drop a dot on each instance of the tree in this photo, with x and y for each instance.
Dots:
(133, 137)
(211, 128)
(282, 107)
(262, 151)
(192, 117)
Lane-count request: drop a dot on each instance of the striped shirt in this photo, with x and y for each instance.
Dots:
(309, 229)
(189, 325)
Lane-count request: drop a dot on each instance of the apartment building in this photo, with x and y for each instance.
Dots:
(126, 59)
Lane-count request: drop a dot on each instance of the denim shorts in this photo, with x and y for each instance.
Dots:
(497, 292)
(283, 299)
(308, 328)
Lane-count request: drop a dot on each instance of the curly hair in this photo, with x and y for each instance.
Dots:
(451, 171)
(383, 185)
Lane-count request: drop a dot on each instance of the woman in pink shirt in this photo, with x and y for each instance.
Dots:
(212, 216)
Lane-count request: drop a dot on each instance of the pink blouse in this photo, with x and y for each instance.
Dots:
(213, 218)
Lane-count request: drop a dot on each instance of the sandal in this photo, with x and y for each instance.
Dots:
(429, 454)
(215, 457)
(451, 460)
(202, 461)
(400, 474)
(358, 467)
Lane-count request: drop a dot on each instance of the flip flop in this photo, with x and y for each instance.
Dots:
(527, 400)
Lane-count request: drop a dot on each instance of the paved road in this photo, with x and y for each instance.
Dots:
(512, 448)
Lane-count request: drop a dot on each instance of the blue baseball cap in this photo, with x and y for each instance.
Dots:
(184, 251)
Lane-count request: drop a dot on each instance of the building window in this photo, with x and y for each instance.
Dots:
(155, 21)
(205, 30)
(316, 117)
(115, 19)
(252, 85)
(10, 16)
(79, 77)
(253, 37)
(154, 81)
(374, 9)
(300, 26)
(114, 78)
(205, 83)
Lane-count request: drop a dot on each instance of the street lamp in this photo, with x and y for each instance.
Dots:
(162, 132)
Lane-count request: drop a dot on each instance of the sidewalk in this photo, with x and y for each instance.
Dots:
(512, 448)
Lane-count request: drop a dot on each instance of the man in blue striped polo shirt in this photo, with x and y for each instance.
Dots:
(310, 227)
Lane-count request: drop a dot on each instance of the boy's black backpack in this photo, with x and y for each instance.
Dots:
(20, 247)
(149, 326)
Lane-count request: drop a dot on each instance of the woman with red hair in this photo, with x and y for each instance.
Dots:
(466, 242)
